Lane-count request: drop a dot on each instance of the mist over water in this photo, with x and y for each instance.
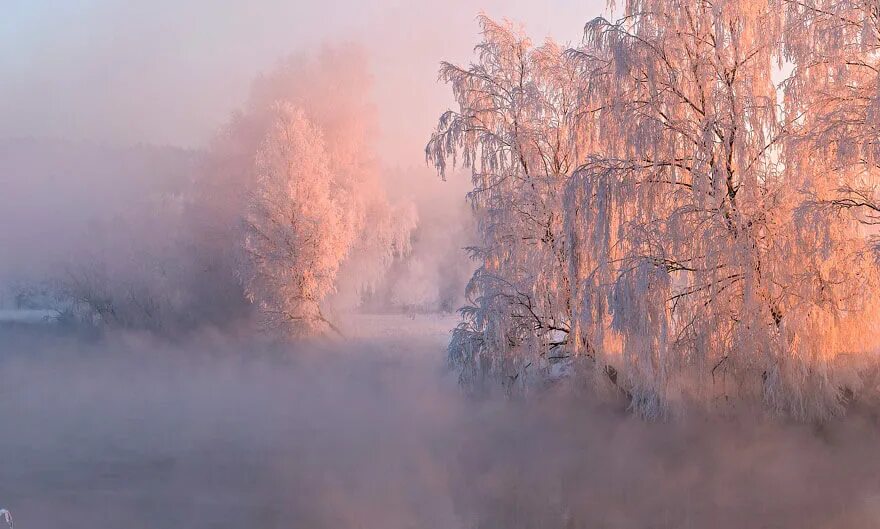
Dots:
(221, 431)
(175, 410)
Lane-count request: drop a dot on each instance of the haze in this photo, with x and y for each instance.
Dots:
(169, 72)
(254, 274)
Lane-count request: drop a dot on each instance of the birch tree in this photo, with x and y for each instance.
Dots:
(697, 276)
(295, 230)
(292, 197)
(513, 130)
(835, 50)
(656, 207)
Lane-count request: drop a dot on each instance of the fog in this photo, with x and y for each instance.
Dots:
(64, 202)
(164, 405)
(169, 72)
(373, 432)
(107, 108)
(162, 224)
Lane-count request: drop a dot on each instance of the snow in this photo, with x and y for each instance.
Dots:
(27, 316)
(398, 326)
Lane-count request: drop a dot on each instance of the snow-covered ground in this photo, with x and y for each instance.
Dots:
(401, 327)
(27, 316)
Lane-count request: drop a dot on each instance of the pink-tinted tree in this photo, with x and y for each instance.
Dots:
(514, 129)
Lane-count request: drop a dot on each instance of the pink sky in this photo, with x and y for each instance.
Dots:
(169, 72)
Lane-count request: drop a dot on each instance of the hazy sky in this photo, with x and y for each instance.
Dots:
(170, 71)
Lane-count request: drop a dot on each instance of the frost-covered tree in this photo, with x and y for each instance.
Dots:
(514, 129)
(304, 222)
(835, 49)
(332, 89)
(296, 231)
(293, 181)
(698, 276)
(651, 205)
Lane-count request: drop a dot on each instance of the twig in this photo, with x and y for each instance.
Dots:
(6, 516)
